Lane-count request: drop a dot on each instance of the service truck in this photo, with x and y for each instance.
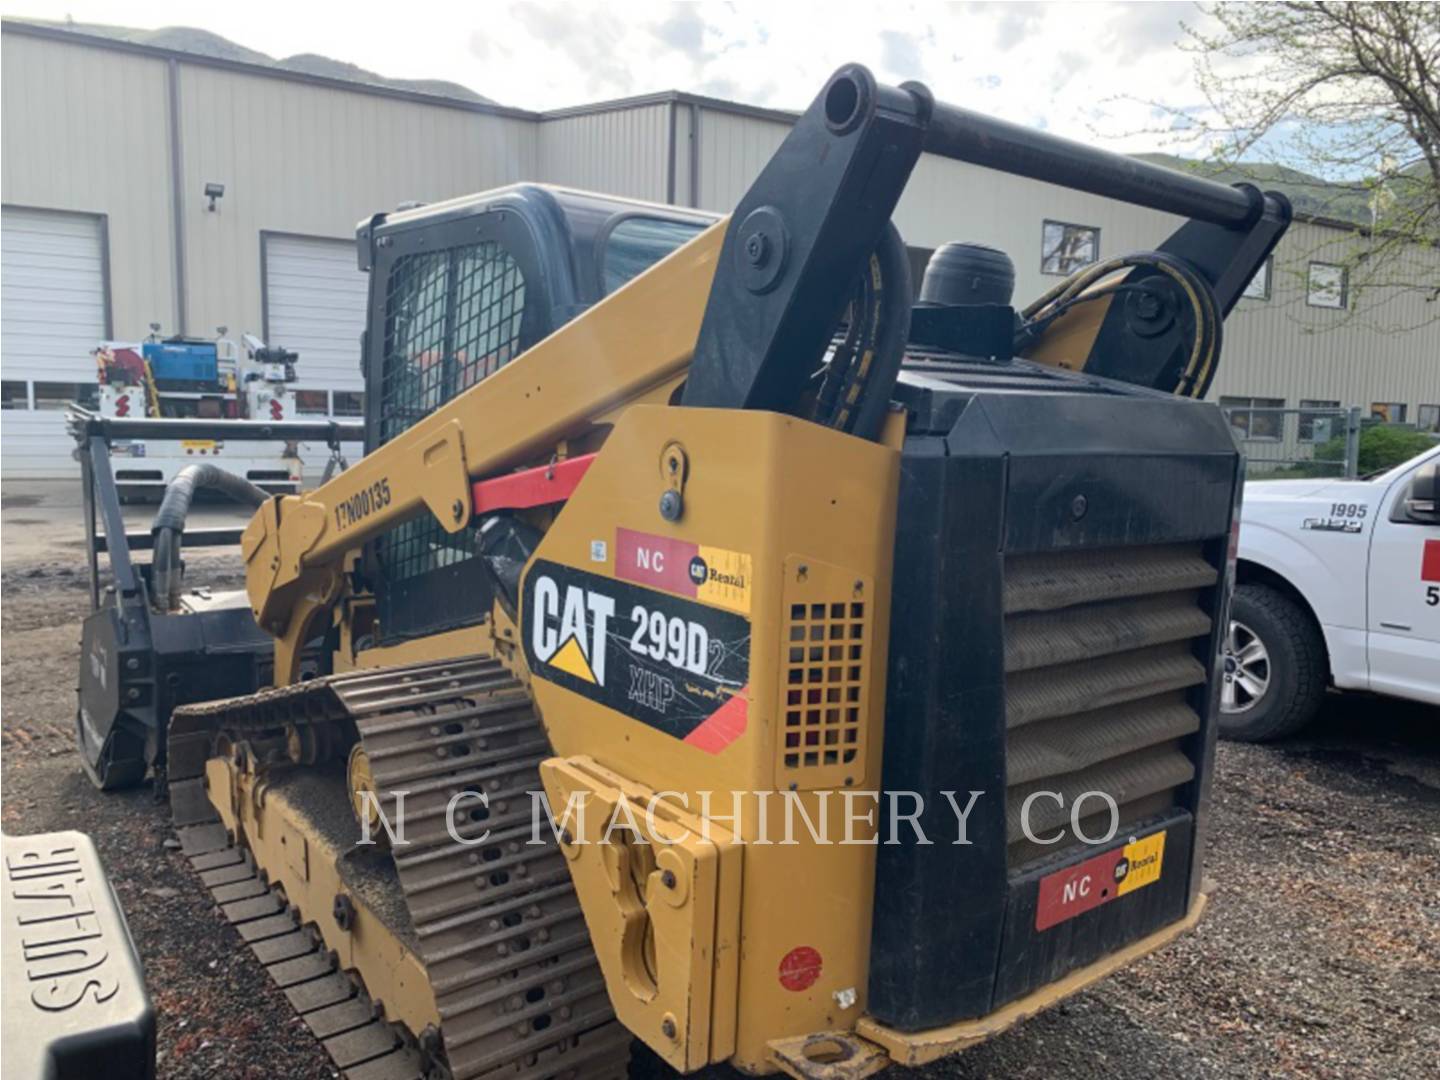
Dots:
(1338, 585)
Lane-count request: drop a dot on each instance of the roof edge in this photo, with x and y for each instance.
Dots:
(158, 52)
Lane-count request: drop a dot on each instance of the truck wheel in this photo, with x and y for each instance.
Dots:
(1274, 666)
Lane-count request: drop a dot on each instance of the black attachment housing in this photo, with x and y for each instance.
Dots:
(137, 664)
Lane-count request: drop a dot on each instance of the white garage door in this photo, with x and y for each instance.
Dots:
(315, 304)
(52, 306)
(315, 299)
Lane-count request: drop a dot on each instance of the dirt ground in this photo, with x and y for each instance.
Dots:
(1320, 956)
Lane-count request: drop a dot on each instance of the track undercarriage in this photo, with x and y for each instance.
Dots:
(458, 951)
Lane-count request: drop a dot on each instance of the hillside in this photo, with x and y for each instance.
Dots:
(189, 39)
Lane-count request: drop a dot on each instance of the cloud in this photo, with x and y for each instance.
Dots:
(1016, 24)
(900, 54)
(683, 31)
(585, 36)
(1137, 30)
(1067, 66)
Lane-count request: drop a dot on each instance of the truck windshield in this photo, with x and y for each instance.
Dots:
(637, 243)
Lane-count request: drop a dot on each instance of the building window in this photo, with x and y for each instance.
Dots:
(1391, 412)
(61, 395)
(1065, 248)
(312, 403)
(1259, 287)
(1255, 417)
(1427, 419)
(349, 403)
(1320, 421)
(636, 244)
(1327, 286)
(14, 394)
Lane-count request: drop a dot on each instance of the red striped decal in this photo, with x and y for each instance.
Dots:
(1430, 561)
(530, 487)
(724, 725)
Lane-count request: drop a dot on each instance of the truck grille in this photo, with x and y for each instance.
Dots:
(1101, 648)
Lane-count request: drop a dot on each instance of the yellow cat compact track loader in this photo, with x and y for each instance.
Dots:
(865, 649)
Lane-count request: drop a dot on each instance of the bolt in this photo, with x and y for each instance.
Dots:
(671, 505)
(1078, 506)
(757, 248)
(668, 879)
(1147, 305)
(133, 664)
(667, 1028)
(674, 464)
(458, 509)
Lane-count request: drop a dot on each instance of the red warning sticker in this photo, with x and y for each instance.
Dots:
(1098, 880)
(800, 968)
(1430, 561)
(711, 575)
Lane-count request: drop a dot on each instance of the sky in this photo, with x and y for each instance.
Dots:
(1084, 70)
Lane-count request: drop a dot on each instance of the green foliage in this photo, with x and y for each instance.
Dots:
(1382, 446)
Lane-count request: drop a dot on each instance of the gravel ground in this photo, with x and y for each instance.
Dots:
(1320, 956)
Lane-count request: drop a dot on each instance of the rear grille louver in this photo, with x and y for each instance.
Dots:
(1101, 648)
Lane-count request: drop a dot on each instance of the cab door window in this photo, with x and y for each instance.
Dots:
(635, 244)
(452, 318)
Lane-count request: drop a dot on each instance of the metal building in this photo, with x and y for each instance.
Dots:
(108, 148)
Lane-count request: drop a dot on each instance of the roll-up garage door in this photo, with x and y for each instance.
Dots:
(53, 307)
(315, 299)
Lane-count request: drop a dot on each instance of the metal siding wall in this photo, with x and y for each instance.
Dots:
(85, 130)
(1283, 348)
(315, 160)
(618, 152)
(683, 156)
(36, 445)
(733, 150)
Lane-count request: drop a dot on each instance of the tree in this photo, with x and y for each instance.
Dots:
(1351, 93)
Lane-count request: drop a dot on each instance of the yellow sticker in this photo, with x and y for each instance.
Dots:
(722, 578)
(1144, 859)
(197, 444)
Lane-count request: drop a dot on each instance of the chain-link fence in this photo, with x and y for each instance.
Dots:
(1297, 442)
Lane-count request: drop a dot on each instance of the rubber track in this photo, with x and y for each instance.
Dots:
(515, 978)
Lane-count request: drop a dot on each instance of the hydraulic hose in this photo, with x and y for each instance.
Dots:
(168, 529)
(1193, 380)
(854, 393)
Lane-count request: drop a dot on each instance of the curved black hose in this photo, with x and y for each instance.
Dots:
(855, 394)
(168, 528)
(1192, 375)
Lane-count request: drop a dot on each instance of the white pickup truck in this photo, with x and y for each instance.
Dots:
(1337, 584)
